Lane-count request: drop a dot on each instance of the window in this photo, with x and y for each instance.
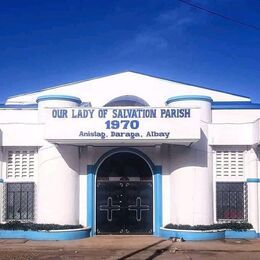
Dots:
(20, 164)
(231, 201)
(19, 201)
(229, 164)
(127, 101)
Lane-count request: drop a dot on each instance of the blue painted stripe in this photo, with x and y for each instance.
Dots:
(46, 235)
(19, 106)
(58, 97)
(90, 197)
(231, 102)
(188, 97)
(235, 105)
(157, 199)
(207, 235)
(192, 235)
(249, 234)
(255, 180)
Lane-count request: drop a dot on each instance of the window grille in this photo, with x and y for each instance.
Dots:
(231, 201)
(229, 164)
(20, 164)
(19, 201)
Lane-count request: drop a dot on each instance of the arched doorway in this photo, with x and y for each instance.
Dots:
(124, 195)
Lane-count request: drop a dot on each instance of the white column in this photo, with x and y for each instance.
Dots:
(57, 190)
(58, 185)
(86, 158)
(253, 214)
(1, 184)
(192, 177)
(166, 185)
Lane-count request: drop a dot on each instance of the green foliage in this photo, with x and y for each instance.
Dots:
(17, 225)
(236, 226)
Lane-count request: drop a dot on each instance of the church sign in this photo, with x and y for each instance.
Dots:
(127, 124)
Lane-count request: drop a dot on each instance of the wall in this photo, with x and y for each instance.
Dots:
(20, 127)
(235, 115)
(234, 133)
(18, 115)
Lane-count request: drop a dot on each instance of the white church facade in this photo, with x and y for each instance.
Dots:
(129, 153)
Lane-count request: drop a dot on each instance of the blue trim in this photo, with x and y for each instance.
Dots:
(192, 235)
(254, 180)
(157, 199)
(249, 234)
(231, 102)
(59, 97)
(188, 97)
(235, 105)
(1, 181)
(206, 235)
(19, 106)
(46, 235)
(156, 171)
(90, 197)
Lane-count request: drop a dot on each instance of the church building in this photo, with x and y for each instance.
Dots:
(129, 153)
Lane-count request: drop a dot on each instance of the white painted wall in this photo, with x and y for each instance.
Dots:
(19, 134)
(19, 116)
(234, 133)
(235, 115)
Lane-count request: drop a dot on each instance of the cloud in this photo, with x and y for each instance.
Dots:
(166, 25)
(179, 18)
(150, 39)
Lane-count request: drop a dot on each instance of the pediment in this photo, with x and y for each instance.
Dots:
(99, 91)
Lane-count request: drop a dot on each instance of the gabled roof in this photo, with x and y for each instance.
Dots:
(142, 85)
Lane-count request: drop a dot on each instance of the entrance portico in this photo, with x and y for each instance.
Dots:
(150, 189)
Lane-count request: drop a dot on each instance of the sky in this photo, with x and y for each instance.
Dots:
(47, 43)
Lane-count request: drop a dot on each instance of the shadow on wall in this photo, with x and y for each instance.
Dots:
(194, 155)
(70, 155)
(257, 151)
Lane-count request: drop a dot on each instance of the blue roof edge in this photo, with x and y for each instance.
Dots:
(19, 106)
(189, 84)
(216, 105)
(235, 105)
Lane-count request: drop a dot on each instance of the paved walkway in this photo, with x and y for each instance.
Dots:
(128, 247)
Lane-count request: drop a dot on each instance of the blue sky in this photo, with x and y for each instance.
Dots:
(46, 43)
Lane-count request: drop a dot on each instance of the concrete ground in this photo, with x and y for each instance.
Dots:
(128, 247)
